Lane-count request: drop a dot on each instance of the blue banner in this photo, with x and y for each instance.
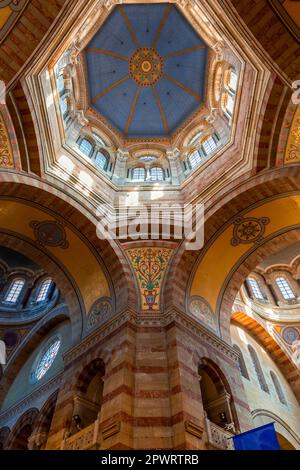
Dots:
(263, 438)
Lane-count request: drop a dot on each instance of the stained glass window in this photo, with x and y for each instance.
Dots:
(157, 174)
(255, 288)
(44, 290)
(285, 288)
(47, 359)
(15, 290)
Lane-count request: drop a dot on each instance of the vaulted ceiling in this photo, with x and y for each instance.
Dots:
(146, 69)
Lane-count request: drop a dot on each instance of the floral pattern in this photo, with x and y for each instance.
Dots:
(150, 265)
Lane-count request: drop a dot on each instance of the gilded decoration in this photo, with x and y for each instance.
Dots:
(150, 265)
(249, 230)
(6, 159)
(100, 312)
(292, 153)
(50, 233)
(201, 310)
(146, 66)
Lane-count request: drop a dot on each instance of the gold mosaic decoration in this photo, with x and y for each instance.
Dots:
(146, 66)
(6, 159)
(292, 154)
(249, 230)
(150, 265)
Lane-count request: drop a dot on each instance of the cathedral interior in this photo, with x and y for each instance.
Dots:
(148, 342)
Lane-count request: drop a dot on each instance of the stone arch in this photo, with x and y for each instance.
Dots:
(281, 427)
(233, 199)
(44, 420)
(30, 343)
(245, 266)
(224, 402)
(88, 395)
(87, 373)
(82, 221)
(21, 432)
(62, 278)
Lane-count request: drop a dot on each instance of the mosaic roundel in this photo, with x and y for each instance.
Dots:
(146, 66)
(290, 334)
(249, 230)
(50, 233)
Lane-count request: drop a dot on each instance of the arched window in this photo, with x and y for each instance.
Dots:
(14, 292)
(258, 369)
(242, 364)
(210, 144)
(157, 174)
(195, 158)
(138, 174)
(101, 160)
(44, 290)
(278, 388)
(255, 288)
(86, 147)
(285, 288)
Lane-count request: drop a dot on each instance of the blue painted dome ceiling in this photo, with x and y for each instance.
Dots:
(146, 70)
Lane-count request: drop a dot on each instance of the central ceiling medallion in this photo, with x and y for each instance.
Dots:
(146, 66)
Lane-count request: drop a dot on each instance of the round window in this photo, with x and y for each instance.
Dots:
(45, 359)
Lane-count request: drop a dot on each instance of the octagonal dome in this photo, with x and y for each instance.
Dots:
(146, 70)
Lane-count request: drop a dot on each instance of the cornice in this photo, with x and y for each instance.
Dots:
(129, 316)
